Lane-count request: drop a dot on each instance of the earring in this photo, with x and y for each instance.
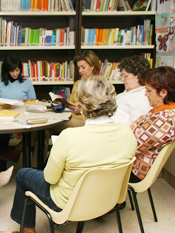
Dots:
(81, 112)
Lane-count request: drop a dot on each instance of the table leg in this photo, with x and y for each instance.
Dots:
(41, 149)
(27, 149)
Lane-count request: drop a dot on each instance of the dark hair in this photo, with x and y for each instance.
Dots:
(162, 77)
(136, 65)
(10, 63)
(91, 58)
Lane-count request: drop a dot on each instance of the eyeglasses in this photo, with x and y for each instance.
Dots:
(149, 91)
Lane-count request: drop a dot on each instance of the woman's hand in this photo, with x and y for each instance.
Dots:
(74, 107)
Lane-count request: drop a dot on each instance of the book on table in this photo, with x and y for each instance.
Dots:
(8, 115)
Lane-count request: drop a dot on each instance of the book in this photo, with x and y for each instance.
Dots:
(11, 101)
(5, 106)
(141, 5)
(29, 101)
(9, 113)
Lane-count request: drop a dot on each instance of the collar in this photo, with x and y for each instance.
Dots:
(135, 89)
(99, 120)
(165, 106)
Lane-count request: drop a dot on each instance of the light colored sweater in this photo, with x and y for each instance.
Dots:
(17, 90)
(78, 149)
(73, 98)
(131, 105)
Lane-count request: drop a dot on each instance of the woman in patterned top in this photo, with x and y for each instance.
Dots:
(157, 128)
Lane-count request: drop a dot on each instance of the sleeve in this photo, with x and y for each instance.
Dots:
(73, 97)
(57, 160)
(30, 90)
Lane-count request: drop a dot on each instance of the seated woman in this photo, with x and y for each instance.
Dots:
(13, 86)
(132, 103)
(77, 150)
(155, 129)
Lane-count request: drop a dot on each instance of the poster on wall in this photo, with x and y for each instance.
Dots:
(164, 6)
(162, 60)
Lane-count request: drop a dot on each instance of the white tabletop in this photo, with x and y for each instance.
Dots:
(19, 123)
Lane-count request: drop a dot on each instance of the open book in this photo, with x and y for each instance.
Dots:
(11, 101)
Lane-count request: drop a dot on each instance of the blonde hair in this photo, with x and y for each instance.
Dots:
(97, 97)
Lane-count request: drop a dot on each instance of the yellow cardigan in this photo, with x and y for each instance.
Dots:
(78, 149)
(73, 99)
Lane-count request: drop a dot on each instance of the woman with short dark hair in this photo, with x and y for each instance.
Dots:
(156, 129)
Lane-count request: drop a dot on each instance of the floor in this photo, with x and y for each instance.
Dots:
(164, 199)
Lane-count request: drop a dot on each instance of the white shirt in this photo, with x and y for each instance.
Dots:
(131, 105)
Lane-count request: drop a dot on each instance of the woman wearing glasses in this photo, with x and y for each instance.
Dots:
(156, 129)
(132, 103)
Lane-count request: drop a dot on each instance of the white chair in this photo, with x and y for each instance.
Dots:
(96, 193)
(150, 178)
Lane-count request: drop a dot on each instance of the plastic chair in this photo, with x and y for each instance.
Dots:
(96, 193)
(146, 183)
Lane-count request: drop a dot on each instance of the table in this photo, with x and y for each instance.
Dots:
(19, 125)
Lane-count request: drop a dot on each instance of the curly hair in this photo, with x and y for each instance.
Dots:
(10, 63)
(136, 65)
(97, 97)
(91, 58)
(162, 77)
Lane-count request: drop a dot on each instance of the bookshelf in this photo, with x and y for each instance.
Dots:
(50, 20)
(122, 20)
(75, 19)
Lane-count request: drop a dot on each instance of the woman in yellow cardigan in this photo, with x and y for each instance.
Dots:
(77, 150)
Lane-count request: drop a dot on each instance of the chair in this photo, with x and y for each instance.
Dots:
(146, 183)
(96, 193)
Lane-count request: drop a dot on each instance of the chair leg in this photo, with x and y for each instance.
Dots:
(119, 220)
(80, 227)
(130, 198)
(137, 208)
(29, 200)
(152, 205)
(23, 214)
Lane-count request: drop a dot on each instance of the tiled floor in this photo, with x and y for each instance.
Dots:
(164, 199)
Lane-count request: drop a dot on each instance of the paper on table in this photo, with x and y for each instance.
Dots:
(11, 101)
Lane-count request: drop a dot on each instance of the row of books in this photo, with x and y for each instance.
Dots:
(115, 5)
(110, 69)
(48, 71)
(12, 34)
(106, 5)
(36, 5)
(136, 35)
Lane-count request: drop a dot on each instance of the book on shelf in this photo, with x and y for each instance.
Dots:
(141, 5)
(62, 91)
(36, 5)
(48, 71)
(136, 35)
(15, 35)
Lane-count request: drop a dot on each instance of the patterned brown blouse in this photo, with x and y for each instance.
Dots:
(153, 131)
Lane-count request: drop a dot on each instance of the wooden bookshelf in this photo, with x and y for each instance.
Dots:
(76, 20)
(117, 19)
